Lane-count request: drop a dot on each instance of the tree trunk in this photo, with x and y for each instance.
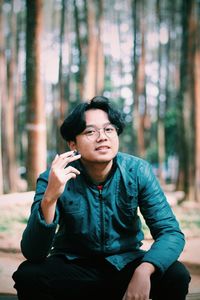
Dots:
(8, 143)
(182, 183)
(95, 61)
(62, 103)
(197, 107)
(2, 89)
(135, 63)
(80, 75)
(139, 110)
(189, 107)
(36, 126)
(141, 98)
(100, 68)
(160, 107)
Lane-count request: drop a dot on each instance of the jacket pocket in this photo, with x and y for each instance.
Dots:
(71, 205)
(127, 202)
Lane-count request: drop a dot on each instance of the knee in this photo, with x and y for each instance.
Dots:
(180, 276)
(181, 273)
(25, 275)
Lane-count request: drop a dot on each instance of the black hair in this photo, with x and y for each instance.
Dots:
(75, 123)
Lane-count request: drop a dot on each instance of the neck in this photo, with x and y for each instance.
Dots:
(98, 172)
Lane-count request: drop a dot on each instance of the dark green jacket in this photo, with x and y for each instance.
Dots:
(91, 221)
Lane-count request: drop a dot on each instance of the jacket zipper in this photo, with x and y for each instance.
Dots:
(100, 188)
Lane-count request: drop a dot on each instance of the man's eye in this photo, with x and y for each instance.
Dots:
(90, 132)
(109, 129)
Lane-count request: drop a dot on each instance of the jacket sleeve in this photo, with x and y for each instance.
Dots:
(168, 238)
(38, 236)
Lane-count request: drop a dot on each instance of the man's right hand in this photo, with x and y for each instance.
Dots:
(60, 174)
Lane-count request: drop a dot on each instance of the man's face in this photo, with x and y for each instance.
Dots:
(97, 145)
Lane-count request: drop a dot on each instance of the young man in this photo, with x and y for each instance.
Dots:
(83, 237)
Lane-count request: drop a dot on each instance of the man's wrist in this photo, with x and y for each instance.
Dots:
(48, 200)
(146, 268)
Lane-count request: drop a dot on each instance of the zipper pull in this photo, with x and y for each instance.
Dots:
(100, 188)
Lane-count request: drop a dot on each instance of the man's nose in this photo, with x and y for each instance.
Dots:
(102, 134)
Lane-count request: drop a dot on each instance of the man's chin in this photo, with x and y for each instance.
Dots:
(100, 160)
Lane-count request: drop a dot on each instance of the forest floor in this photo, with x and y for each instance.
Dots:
(14, 212)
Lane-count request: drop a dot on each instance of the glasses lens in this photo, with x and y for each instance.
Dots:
(93, 133)
(110, 130)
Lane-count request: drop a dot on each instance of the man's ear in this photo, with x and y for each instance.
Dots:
(71, 145)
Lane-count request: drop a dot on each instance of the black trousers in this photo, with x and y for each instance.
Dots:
(56, 278)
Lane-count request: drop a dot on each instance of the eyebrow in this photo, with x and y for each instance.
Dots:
(91, 125)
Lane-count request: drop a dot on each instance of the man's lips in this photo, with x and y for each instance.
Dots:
(100, 148)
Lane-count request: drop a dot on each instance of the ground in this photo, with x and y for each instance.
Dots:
(14, 212)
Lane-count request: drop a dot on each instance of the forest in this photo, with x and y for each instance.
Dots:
(144, 55)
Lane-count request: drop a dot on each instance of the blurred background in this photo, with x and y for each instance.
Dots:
(144, 55)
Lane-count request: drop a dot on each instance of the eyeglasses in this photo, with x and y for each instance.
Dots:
(93, 133)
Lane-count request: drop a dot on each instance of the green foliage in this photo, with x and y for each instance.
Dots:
(23, 220)
(127, 140)
(108, 85)
(3, 227)
(9, 222)
(152, 153)
(171, 130)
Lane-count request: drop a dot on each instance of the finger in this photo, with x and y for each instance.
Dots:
(71, 170)
(55, 158)
(66, 154)
(64, 161)
(74, 157)
(70, 176)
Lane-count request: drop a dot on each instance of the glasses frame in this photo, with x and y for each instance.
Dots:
(94, 136)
